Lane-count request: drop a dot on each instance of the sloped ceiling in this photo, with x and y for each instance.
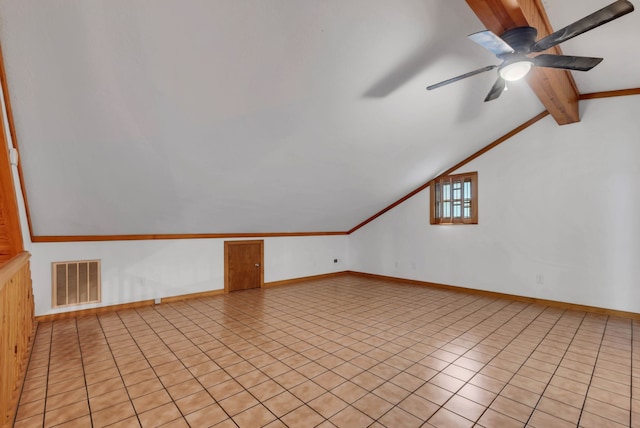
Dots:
(236, 116)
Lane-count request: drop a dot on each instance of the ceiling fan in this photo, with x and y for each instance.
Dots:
(514, 46)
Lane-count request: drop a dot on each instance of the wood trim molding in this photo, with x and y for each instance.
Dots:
(148, 237)
(94, 311)
(608, 94)
(496, 143)
(293, 281)
(497, 295)
(124, 306)
(190, 296)
(14, 138)
(8, 201)
(457, 166)
(164, 300)
(555, 88)
(211, 293)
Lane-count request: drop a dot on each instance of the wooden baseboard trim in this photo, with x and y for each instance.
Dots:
(192, 296)
(494, 294)
(303, 278)
(498, 295)
(178, 298)
(132, 305)
(93, 311)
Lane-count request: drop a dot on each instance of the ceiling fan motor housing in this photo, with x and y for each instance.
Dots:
(520, 39)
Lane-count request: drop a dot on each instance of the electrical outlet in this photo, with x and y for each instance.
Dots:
(539, 279)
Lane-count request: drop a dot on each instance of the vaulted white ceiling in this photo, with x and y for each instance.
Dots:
(229, 116)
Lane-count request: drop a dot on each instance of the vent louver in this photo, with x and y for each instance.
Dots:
(75, 282)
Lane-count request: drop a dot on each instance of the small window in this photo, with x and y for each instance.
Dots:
(454, 199)
(76, 283)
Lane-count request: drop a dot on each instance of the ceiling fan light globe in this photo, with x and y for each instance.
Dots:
(515, 70)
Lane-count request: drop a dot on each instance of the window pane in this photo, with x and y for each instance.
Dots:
(457, 186)
(446, 209)
(438, 198)
(467, 198)
(467, 209)
(456, 209)
(446, 192)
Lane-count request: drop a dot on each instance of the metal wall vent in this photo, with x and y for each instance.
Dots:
(76, 282)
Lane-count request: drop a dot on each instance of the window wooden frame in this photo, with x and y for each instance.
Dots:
(454, 194)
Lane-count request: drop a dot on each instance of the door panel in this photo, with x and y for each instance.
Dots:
(243, 265)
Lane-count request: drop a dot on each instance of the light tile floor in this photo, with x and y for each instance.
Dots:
(345, 352)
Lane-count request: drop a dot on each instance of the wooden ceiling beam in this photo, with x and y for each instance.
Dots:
(555, 88)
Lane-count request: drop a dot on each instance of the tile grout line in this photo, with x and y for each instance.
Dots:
(256, 368)
(172, 352)
(115, 361)
(586, 395)
(365, 370)
(178, 358)
(151, 365)
(577, 330)
(46, 396)
(84, 373)
(528, 306)
(521, 365)
(437, 348)
(46, 385)
(452, 339)
(452, 363)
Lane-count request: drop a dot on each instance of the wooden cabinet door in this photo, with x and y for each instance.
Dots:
(243, 265)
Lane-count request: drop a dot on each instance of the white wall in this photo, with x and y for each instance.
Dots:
(559, 217)
(140, 270)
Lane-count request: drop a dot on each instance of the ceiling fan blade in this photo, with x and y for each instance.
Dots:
(580, 63)
(490, 41)
(462, 76)
(604, 15)
(496, 90)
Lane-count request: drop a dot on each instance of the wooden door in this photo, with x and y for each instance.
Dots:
(243, 262)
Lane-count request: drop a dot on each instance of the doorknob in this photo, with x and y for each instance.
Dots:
(257, 264)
